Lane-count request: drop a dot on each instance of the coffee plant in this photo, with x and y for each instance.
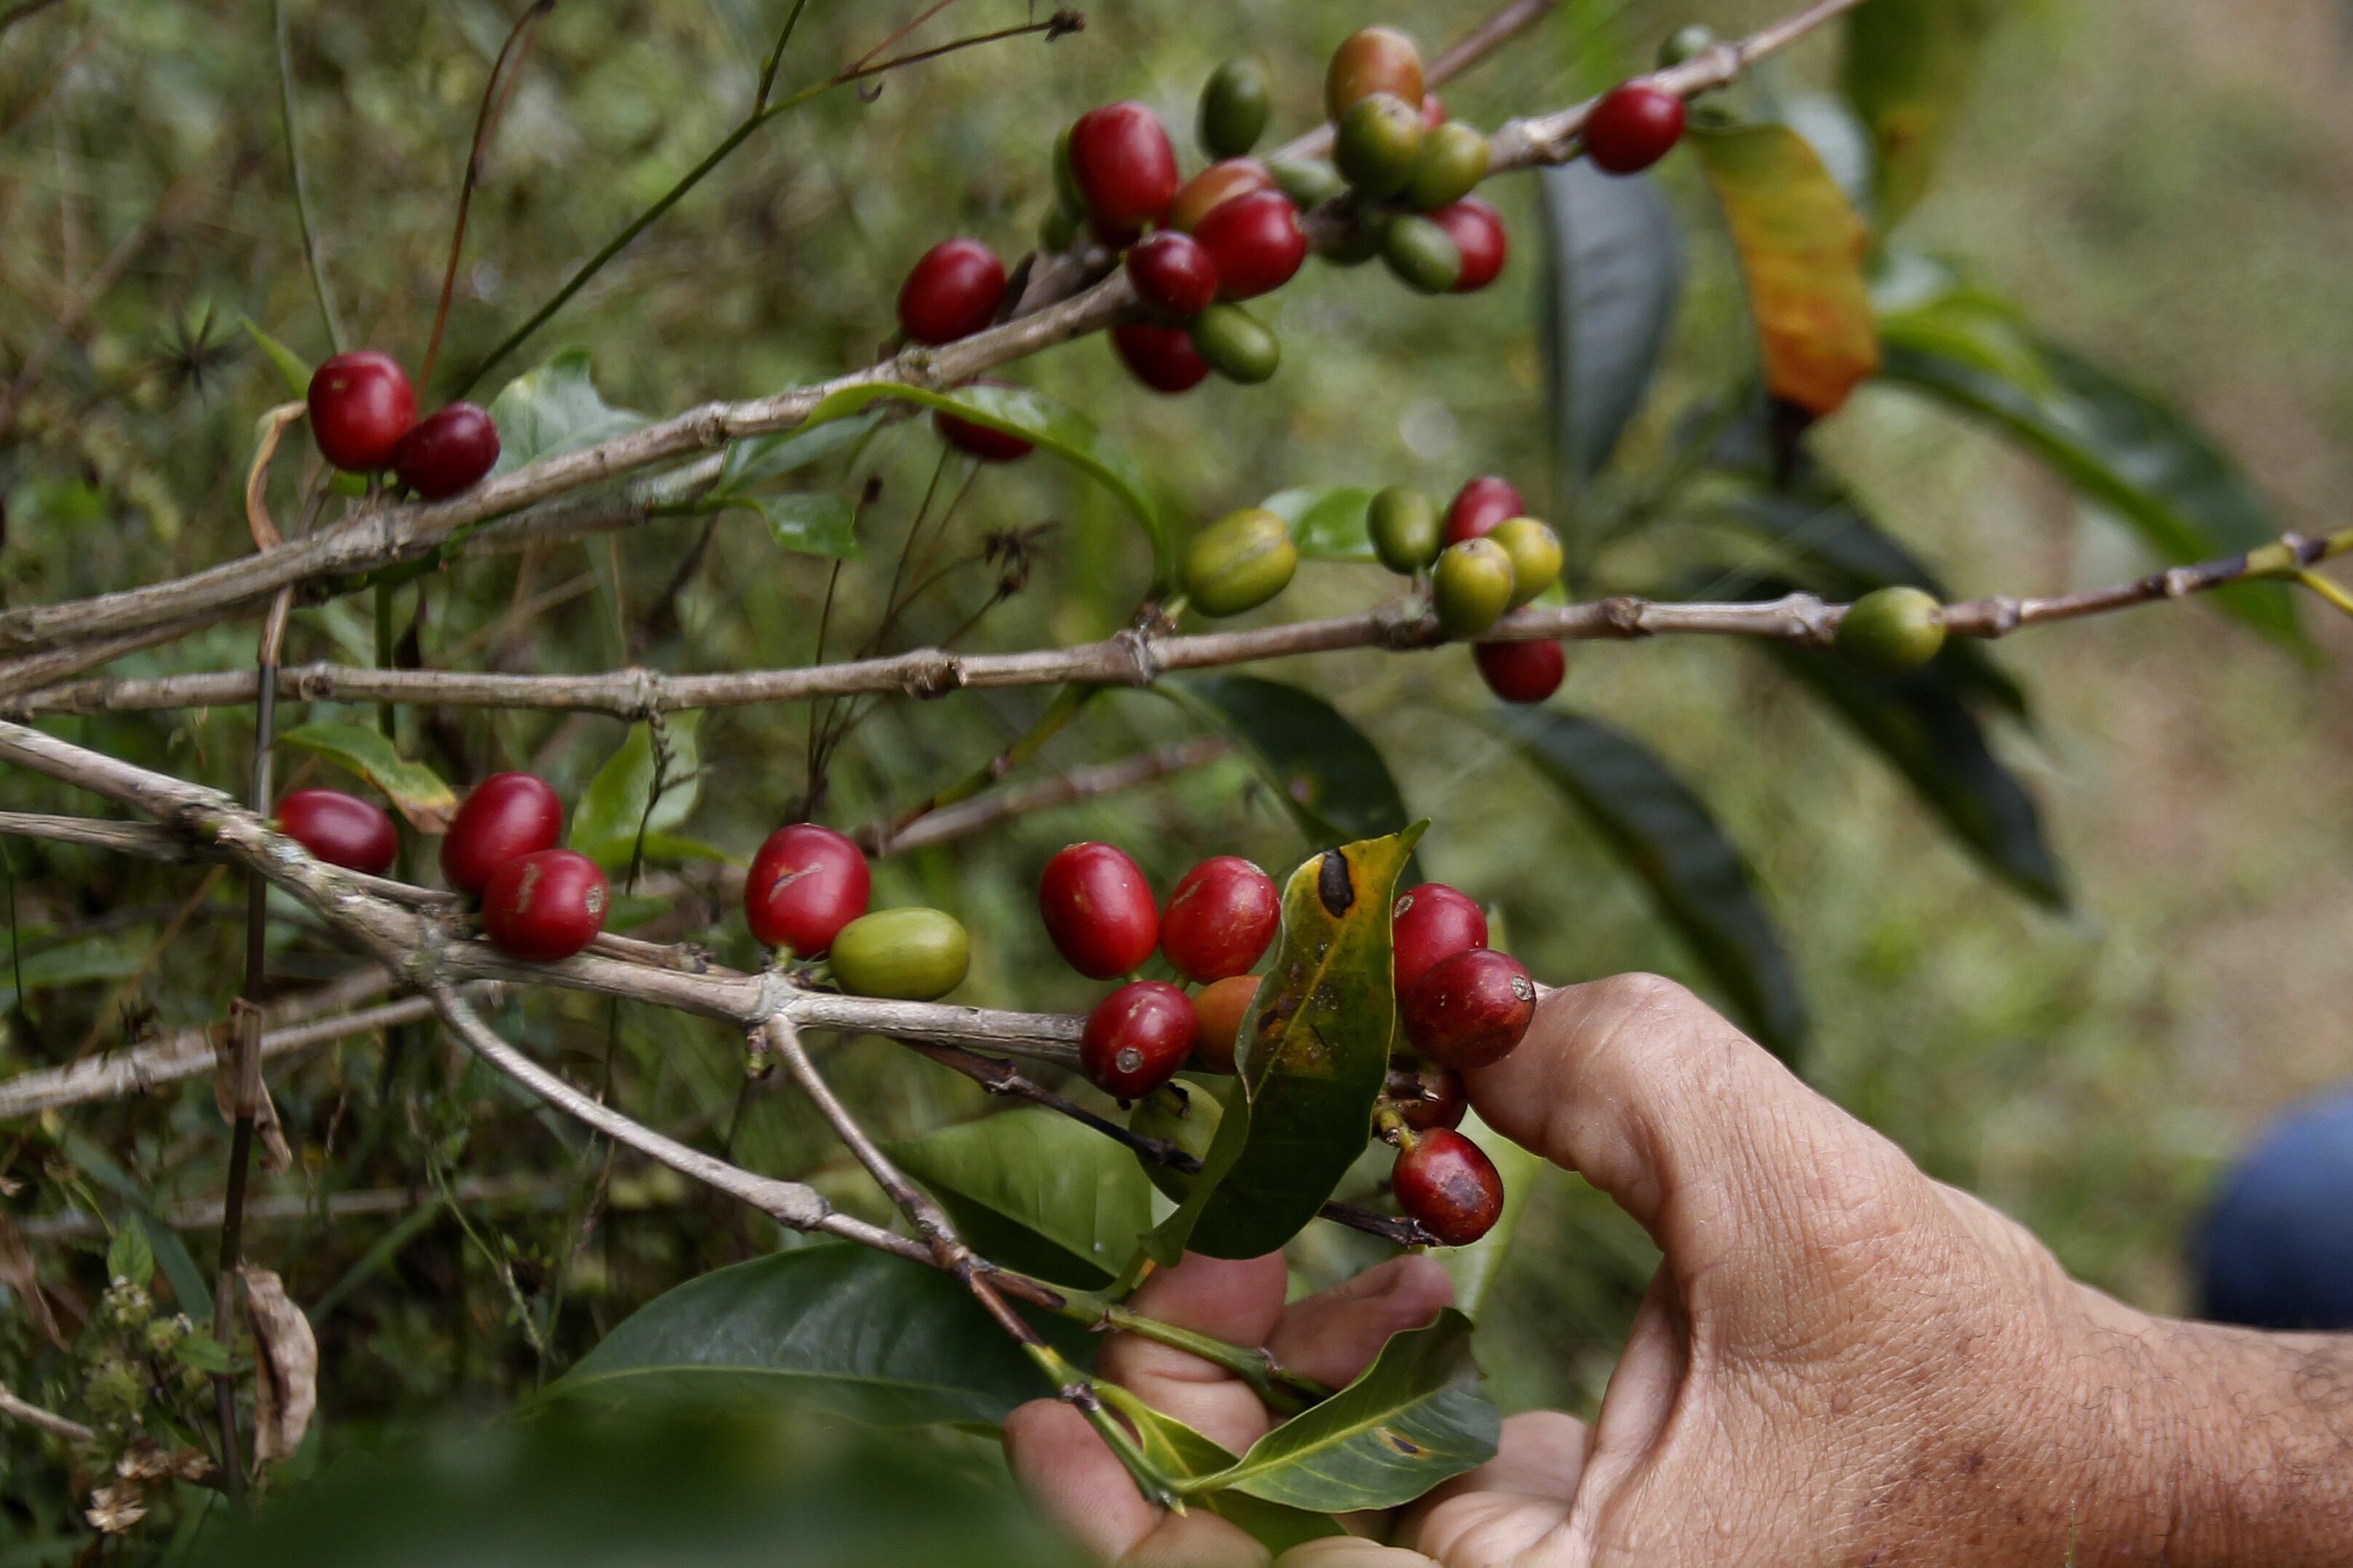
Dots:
(615, 1055)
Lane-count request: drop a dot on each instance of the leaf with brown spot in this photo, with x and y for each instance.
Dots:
(285, 1367)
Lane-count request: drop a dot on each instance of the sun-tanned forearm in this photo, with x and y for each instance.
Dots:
(2269, 1474)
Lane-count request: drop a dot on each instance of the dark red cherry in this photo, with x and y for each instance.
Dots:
(1480, 505)
(1446, 1185)
(1163, 358)
(1521, 671)
(1173, 274)
(1098, 909)
(806, 883)
(1254, 242)
(506, 816)
(1477, 230)
(1137, 1038)
(1431, 923)
(341, 829)
(361, 406)
(953, 292)
(1220, 918)
(448, 451)
(1633, 126)
(1469, 1010)
(545, 906)
(1426, 1097)
(1125, 165)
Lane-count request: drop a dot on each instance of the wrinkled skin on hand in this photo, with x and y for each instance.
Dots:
(1840, 1362)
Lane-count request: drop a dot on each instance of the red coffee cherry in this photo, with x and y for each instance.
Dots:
(1426, 1097)
(1431, 923)
(448, 451)
(1446, 1185)
(1255, 243)
(1633, 126)
(1173, 274)
(1125, 165)
(361, 406)
(953, 292)
(1223, 1007)
(1163, 358)
(806, 883)
(1433, 112)
(1137, 1038)
(1521, 671)
(1098, 909)
(1469, 1010)
(1219, 919)
(1214, 186)
(1477, 230)
(341, 829)
(545, 906)
(1480, 505)
(506, 816)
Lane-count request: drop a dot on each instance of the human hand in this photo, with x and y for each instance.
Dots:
(1840, 1361)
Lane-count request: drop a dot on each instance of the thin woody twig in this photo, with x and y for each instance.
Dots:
(1079, 784)
(49, 1421)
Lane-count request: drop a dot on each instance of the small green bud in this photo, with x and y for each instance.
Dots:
(1891, 630)
(1406, 529)
(1238, 562)
(1471, 586)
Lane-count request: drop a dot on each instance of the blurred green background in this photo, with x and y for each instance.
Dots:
(2161, 183)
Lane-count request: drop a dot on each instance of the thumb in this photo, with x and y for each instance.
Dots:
(1748, 1181)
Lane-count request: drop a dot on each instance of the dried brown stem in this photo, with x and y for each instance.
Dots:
(49, 1421)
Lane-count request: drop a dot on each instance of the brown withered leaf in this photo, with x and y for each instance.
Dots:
(286, 1366)
(148, 1460)
(277, 1156)
(16, 1273)
(115, 1507)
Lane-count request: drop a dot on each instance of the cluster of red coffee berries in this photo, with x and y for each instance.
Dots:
(806, 895)
(1483, 557)
(363, 416)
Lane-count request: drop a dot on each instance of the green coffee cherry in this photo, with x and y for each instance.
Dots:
(1057, 229)
(1184, 1114)
(1377, 144)
(1238, 562)
(1306, 181)
(1421, 254)
(910, 955)
(1685, 43)
(1406, 529)
(1066, 178)
(1453, 161)
(1891, 630)
(1471, 586)
(1535, 550)
(1233, 108)
(1356, 242)
(1236, 344)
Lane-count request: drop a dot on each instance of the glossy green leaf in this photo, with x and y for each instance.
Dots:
(1326, 774)
(1908, 67)
(1179, 1452)
(1327, 523)
(2124, 449)
(1037, 1191)
(555, 409)
(1667, 837)
(1473, 1267)
(1614, 269)
(1801, 248)
(292, 368)
(760, 459)
(605, 824)
(811, 523)
(362, 748)
(1034, 416)
(836, 1328)
(128, 1256)
(1415, 1419)
(1311, 1061)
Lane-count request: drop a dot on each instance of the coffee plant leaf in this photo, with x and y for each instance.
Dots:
(1324, 771)
(415, 789)
(760, 459)
(1473, 1267)
(1613, 270)
(1037, 1191)
(1183, 1455)
(555, 409)
(615, 806)
(292, 369)
(1327, 523)
(1907, 68)
(811, 523)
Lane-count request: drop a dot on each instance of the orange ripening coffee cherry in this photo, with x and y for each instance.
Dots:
(1469, 1010)
(545, 906)
(506, 816)
(1426, 1097)
(1477, 230)
(361, 406)
(1446, 1185)
(1431, 923)
(1254, 242)
(1521, 671)
(1214, 186)
(1137, 1038)
(1224, 1008)
(1219, 919)
(1632, 127)
(1125, 165)
(447, 451)
(1375, 59)
(953, 292)
(1173, 274)
(341, 829)
(806, 883)
(1163, 358)
(1098, 909)
(1480, 505)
